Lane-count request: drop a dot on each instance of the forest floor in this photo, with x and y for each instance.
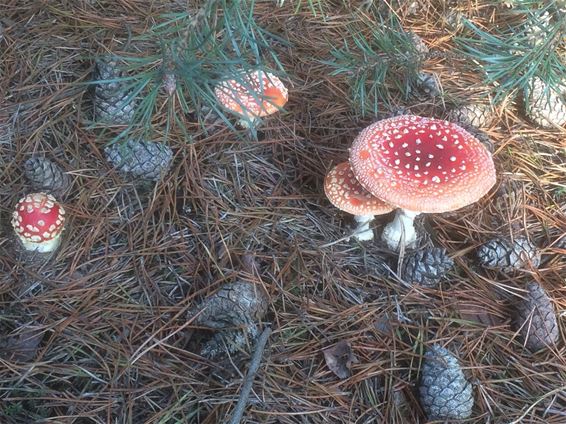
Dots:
(111, 342)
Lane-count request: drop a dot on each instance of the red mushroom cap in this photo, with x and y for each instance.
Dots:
(255, 94)
(38, 218)
(346, 193)
(422, 164)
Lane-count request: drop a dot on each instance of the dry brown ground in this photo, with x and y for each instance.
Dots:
(110, 311)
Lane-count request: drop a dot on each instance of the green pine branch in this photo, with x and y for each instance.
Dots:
(513, 55)
(379, 66)
(194, 52)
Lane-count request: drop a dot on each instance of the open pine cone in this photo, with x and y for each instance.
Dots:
(444, 391)
(229, 341)
(426, 267)
(474, 114)
(233, 311)
(45, 175)
(507, 255)
(234, 304)
(544, 106)
(147, 160)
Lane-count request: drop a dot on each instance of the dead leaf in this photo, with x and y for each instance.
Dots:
(22, 346)
(340, 358)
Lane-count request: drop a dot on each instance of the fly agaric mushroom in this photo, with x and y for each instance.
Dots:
(421, 165)
(253, 95)
(346, 193)
(38, 222)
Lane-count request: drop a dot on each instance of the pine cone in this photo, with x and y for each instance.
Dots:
(47, 176)
(141, 159)
(427, 86)
(537, 28)
(508, 256)
(234, 311)
(482, 137)
(418, 44)
(112, 102)
(229, 341)
(536, 320)
(544, 106)
(476, 115)
(235, 304)
(426, 267)
(444, 391)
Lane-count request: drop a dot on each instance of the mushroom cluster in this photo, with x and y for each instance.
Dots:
(418, 165)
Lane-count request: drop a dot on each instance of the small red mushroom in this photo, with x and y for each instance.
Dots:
(346, 193)
(420, 165)
(38, 222)
(253, 95)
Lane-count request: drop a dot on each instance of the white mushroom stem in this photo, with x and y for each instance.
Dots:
(400, 232)
(363, 232)
(42, 247)
(247, 123)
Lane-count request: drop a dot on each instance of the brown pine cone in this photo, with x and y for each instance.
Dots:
(235, 304)
(507, 256)
(544, 105)
(148, 160)
(112, 100)
(474, 114)
(45, 175)
(426, 267)
(536, 319)
(233, 312)
(444, 391)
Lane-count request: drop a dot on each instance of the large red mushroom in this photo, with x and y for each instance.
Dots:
(252, 95)
(346, 193)
(38, 222)
(421, 165)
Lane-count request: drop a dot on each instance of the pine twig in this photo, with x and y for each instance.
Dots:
(379, 65)
(195, 22)
(248, 381)
(511, 56)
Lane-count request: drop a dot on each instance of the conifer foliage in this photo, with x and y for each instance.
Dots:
(381, 66)
(192, 52)
(523, 54)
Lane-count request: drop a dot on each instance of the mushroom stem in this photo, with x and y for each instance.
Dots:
(42, 247)
(400, 232)
(248, 123)
(363, 232)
